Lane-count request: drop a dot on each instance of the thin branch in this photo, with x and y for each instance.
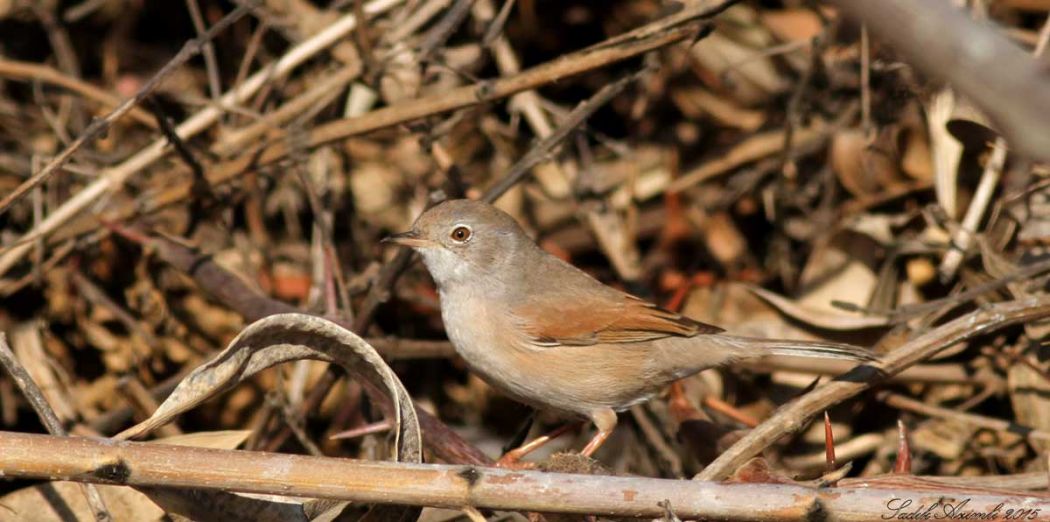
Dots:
(793, 416)
(211, 63)
(1035, 436)
(443, 29)
(542, 150)
(36, 72)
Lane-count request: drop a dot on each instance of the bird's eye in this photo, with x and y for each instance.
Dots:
(461, 234)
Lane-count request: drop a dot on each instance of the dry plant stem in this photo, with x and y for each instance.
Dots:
(993, 170)
(29, 389)
(942, 41)
(113, 178)
(406, 24)
(441, 440)
(528, 102)
(752, 149)
(98, 296)
(81, 9)
(99, 126)
(793, 416)
(138, 464)
(290, 337)
(237, 139)
(438, 35)
(844, 452)
(1035, 436)
(211, 64)
(542, 150)
(1025, 272)
(497, 23)
(36, 72)
(143, 403)
(56, 33)
(728, 410)
(487, 91)
(48, 418)
(113, 420)
(379, 293)
(182, 150)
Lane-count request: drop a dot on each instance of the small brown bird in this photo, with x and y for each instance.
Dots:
(551, 336)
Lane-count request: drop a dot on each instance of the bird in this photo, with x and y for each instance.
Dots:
(551, 336)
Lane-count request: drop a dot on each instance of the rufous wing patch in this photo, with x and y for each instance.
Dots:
(624, 319)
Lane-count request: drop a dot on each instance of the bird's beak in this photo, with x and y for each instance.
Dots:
(410, 239)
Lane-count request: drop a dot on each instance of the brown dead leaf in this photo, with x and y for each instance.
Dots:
(860, 166)
(288, 337)
(225, 439)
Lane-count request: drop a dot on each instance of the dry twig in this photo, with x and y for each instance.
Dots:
(793, 416)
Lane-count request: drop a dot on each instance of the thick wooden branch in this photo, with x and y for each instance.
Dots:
(142, 464)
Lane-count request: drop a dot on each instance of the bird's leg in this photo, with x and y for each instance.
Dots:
(513, 457)
(605, 421)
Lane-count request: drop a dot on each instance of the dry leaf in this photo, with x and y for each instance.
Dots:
(64, 502)
(749, 77)
(862, 168)
(225, 439)
(945, 150)
(793, 24)
(830, 319)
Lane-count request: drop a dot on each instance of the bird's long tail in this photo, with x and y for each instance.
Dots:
(754, 347)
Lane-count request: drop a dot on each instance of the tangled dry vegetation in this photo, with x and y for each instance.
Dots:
(171, 172)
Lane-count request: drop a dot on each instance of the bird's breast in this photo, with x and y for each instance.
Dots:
(476, 325)
(491, 342)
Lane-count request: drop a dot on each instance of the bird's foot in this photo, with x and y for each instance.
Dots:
(513, 461)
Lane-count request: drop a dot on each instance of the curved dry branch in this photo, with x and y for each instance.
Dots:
(289, 337)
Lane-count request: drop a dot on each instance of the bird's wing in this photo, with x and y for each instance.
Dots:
(602, 317)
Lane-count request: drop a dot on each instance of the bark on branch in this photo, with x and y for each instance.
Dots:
(142, 464)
